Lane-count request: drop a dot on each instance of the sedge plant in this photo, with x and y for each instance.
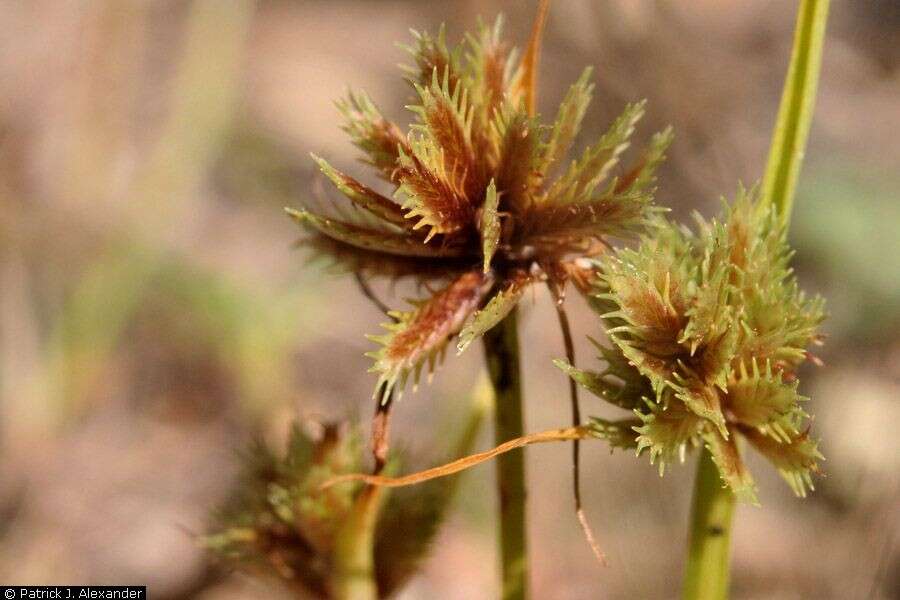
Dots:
(480, 193)
(709, 330)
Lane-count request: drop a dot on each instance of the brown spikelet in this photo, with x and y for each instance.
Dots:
(371, 239)
(363, 196)
(576, 227)
(488, 64)
(517, 148)
(342, 258)
(418, 338)
(434, 193)
(433, 56)
(380, 139)
(446, 117)
(475, 186)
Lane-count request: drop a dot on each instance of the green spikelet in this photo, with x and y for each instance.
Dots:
(496, 309)
(715, 325)
(665, 432)
(620, 434)
(490, 225)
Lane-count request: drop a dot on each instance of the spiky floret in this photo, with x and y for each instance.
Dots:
(418, 338)
(714, 324)
(280, 523)
(475, 182)
(283, 524)
(665, 432)
(379, 139)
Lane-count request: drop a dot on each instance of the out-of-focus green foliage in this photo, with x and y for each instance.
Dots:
(250, 332)
(846, 234)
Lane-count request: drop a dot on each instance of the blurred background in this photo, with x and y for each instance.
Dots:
(154, 315)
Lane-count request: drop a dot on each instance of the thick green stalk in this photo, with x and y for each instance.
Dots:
(501, 346)
(354, 560)
(798, 99)
(354, 575)
(707, 574)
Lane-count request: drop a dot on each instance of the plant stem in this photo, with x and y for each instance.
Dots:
(501, 346)
(354, 560)
(707, 573)
(795, 111)
(354, 550)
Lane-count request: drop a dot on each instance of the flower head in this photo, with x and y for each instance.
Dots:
(709, 330)
(481, 194)
(284, 525)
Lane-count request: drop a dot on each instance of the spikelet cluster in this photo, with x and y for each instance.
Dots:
(283, 526)
(478, 191)
(709, 329)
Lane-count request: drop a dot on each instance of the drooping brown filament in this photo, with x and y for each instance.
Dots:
(551, 435)
(558, 297)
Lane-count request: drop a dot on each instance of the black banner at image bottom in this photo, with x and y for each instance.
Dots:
(73, 592)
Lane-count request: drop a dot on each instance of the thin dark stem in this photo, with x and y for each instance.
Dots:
(576, 421)
(501, 345)
(573, 396)
(367, 291)
(381, 422)
(381, 418)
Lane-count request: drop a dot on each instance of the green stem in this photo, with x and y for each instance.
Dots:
(354, 576)
(795, 112)
(501, 345)
(354, 560)
(707, 573)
